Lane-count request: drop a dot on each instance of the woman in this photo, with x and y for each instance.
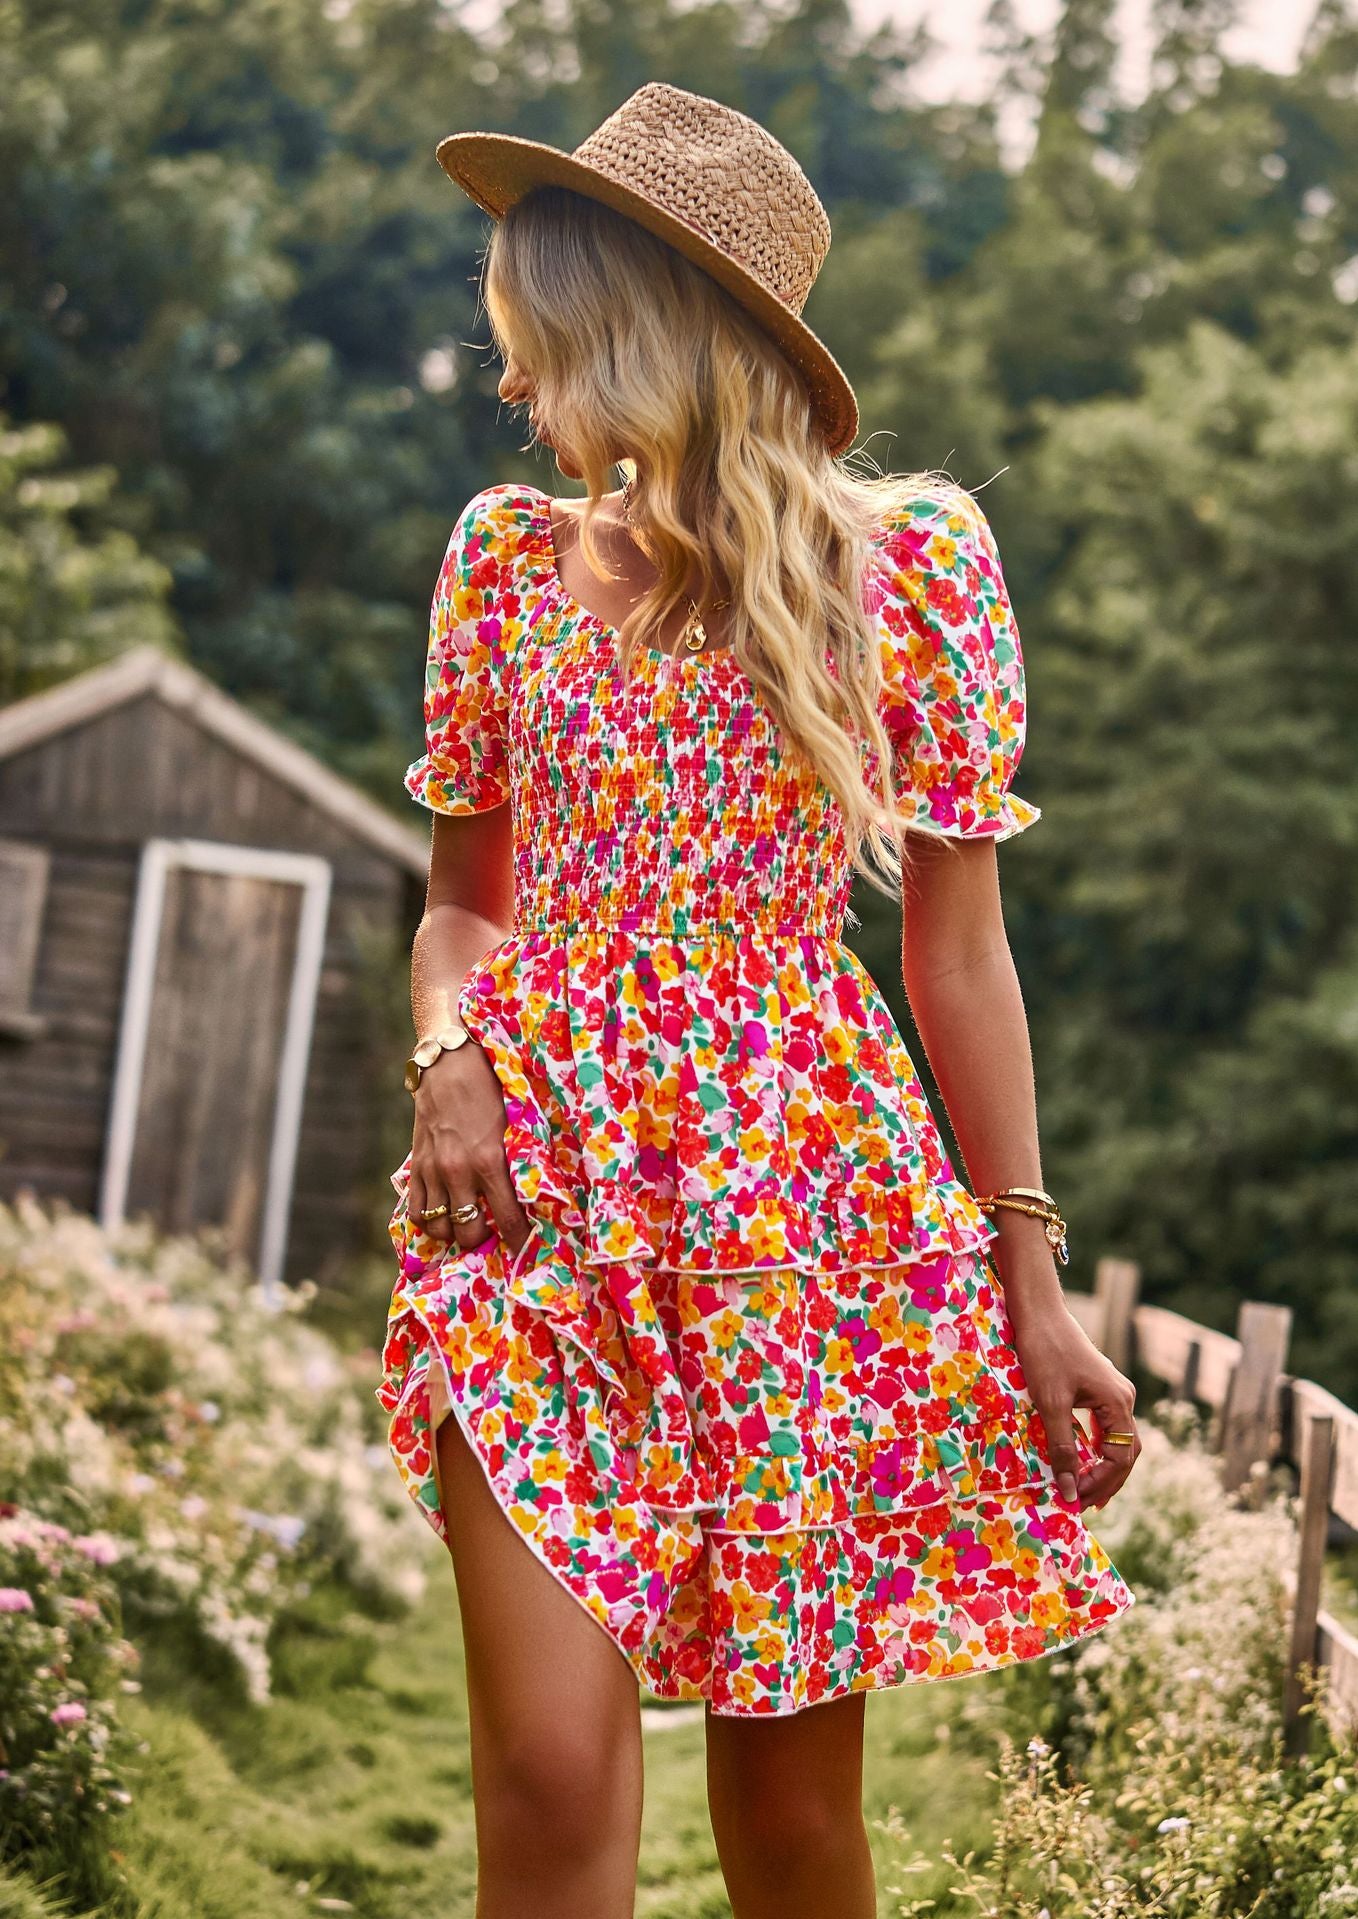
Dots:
(688, 1288)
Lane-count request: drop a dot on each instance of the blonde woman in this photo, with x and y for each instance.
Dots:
(778, 1409)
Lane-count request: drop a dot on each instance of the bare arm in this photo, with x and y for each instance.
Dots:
(457, 1149)
(468, 908)
(965, 998)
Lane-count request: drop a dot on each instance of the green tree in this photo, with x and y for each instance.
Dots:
(75, 589)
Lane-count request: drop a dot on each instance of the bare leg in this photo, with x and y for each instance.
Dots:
(786, 1799)
(555, 1721)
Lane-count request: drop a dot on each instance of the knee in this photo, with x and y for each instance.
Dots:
(789, 1828)
(548, 1795)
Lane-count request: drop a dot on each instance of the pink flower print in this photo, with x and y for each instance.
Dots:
(969, 1554)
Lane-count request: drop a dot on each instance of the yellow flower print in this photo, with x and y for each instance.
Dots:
(726, 1328)
(884, 1317)
(662, 1468)
(999, 1536)
(751, 1608)
(1048, 1610)
(622, 1240)
(742, 1688)
(767, 1239)
(1026, 1563)
(839, 1356)
(625, 1526)
(522, 1368)
(839, 1044)
(946, 1378)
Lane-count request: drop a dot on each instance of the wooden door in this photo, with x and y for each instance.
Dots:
(223, 964)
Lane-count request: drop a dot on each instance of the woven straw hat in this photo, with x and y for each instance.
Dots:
(712, 182)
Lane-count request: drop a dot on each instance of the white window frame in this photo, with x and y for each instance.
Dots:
(313, 875)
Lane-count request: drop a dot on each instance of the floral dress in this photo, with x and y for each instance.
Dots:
(749, 1389)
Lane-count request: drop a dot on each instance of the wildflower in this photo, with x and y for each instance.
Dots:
(1173, 1825)
(102, 1548)
(286, 1528)
(15, 1599)
(69, 1713)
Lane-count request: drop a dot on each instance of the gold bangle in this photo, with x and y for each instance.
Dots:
(1048, 1211)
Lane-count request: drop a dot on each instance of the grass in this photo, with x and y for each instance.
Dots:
(351, 1791)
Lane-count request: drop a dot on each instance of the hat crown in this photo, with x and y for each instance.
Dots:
(722, 174)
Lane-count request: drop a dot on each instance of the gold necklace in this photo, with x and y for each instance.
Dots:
(693, 638)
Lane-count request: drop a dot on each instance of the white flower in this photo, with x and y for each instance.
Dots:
(1173, 1825)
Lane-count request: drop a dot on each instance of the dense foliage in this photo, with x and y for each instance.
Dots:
(1147, 1773)
(237, 282)
(179, 1461)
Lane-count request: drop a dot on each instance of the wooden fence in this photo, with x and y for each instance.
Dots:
(1261, 1413)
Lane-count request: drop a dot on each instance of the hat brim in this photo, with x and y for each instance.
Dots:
(496, 169)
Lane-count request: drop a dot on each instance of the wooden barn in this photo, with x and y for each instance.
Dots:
(204, 957)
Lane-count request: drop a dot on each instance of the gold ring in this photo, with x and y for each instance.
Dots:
(434, 1212)
(1119, 1439)
(464, 1215)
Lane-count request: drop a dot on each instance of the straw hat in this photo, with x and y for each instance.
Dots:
(712, 182)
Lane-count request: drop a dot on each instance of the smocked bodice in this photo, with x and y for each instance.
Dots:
(671, 805)
(666, 806)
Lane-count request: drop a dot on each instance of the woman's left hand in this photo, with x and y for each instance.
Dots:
(1064, 1369)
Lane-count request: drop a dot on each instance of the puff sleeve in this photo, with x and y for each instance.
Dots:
(465, 765)
(954, 699)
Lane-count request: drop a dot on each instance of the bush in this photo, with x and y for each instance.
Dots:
(1165, 1789)
(63, 1661)
(174, 1452)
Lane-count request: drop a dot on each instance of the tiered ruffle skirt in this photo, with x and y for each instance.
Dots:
(749, 1390)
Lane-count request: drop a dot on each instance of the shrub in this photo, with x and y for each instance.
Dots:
(63, 1661)
(172, 1449)
(1165, 1790)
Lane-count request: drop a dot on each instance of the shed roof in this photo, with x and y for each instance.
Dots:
(144, 670)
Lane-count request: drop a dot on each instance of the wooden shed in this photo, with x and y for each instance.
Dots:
(204, 933)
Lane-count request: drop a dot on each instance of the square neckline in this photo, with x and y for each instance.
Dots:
(579, 611)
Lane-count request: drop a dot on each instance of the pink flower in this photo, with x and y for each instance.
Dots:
(100, 1547)
(15, 1599)
(70, 1713)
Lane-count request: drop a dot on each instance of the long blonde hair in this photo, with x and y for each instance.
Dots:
(629, 344)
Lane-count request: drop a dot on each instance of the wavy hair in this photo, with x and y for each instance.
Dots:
(627, 343)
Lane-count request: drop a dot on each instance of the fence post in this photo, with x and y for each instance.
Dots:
(1317, 1462)
(1249, 1417)
(1188, 1385)
(1116, 1284)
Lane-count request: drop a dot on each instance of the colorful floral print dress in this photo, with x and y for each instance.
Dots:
(749, 1388)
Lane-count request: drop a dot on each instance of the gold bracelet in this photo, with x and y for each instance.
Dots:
(1018, 1199)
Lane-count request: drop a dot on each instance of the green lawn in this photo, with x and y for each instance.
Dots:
(351, 1790)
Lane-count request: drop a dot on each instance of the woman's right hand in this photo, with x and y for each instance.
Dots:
(457, 1153)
